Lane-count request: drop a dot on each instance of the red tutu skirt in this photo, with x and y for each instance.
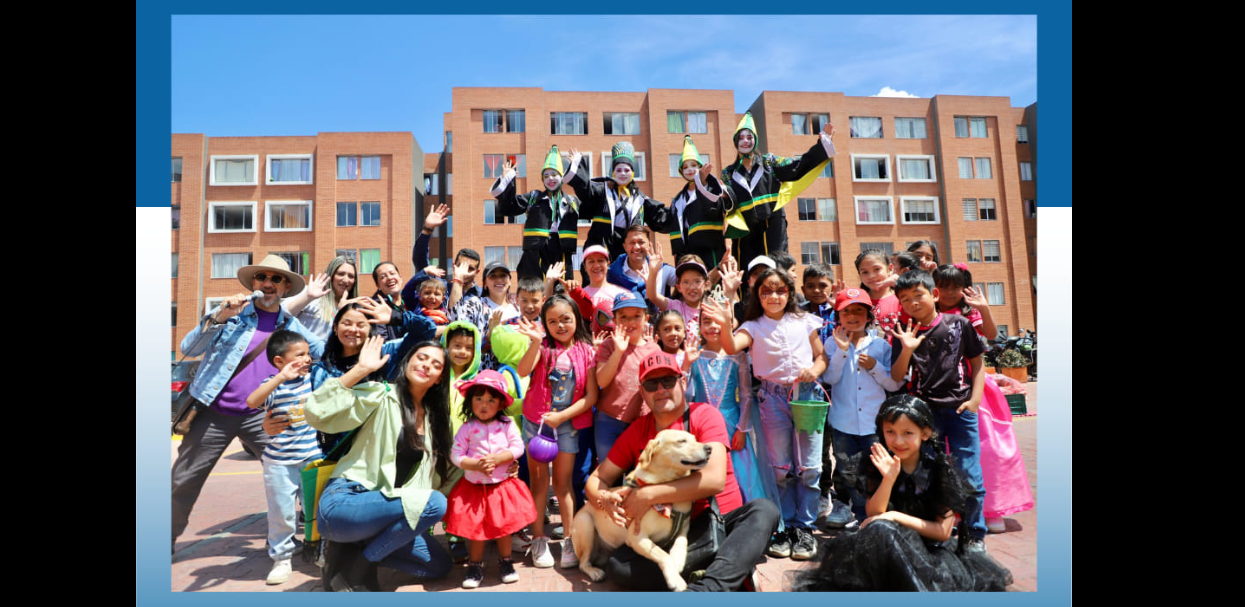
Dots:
(488, 512)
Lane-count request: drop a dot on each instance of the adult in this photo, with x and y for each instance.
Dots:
(630, 270)
(760, 184)
(550, 231)
(747, 525)
(390, 488)
(316, 306)
(359, 321)
(614, 203)
(488, 311)
(698, 211)
(232, 339)
(389, 292)
(600, 291)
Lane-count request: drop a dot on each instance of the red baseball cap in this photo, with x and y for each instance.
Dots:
(656, 361)
(847, 297)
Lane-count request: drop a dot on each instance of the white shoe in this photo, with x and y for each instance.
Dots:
(521, 541)
(569, 560)
(280, 572)
(541, 557)
(996, 525)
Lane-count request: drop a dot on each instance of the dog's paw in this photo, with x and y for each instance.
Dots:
(593, 573)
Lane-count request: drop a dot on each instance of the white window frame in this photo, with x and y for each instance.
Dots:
(964, 205)
(310, 215)
(929, 160)
(1002, 291)
(212, 229)
(211, 303)
(972, 167)
(552, 121)
(994, 209)
(886, 157)
(856, 200)
(311, 163)
(212, 169)
(1026, 171)
(985, 257)
(607, 160)
(903, 209)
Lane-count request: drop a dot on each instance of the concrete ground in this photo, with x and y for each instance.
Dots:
(223, 548)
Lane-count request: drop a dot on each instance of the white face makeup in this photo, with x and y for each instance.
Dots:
(689, 169)
(746, 142)
(552, 179)
(622, 173)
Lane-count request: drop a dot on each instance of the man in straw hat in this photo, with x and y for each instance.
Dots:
(550, 232)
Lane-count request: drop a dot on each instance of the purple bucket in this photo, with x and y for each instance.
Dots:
(542, 448)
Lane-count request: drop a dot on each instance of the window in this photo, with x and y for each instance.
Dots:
(568, 123)
(231, 216)
(674, 163)
(808, 124)
(916, 168)
(919, 209)
(174, 314)
(990, 251)
(1030, 208)
(885, 247)
(226, 265)
(350, 254)
(830, 253)
(177, 216)
(808, 209)
(607, 164)
(871, 168)
(1026, 171)
(973, 248)
(516, 121)
(346, 215)
(289, 169)
(430, 184)
(622, 123)
(493, 217)
(983, 168)
(1001, 328)
(299, 262)
(1022, 133)
(970, 209)
(827, 210)
(371, 167)
(686, 122)
(585, 160)
(177, 170)
(211, 303)
(865, 127)
(515, 254)
(175, 265)
(348, 167)
(287, 216)
(449, 184)
(828, 171)
(494, 163)
(492, 254)
(809, 253)
(874, 210)
(369, 213)
(368, 260)
(966, 168)
(986, 207)
(505, 121)
(994, 294)
(970, 127)
(910, 128)
(449, 142)
(233, 170)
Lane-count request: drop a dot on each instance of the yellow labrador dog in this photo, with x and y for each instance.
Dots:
(671, 455)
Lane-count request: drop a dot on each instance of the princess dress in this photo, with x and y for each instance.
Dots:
(1002, 467)
(716, 380)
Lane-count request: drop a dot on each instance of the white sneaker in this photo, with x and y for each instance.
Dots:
(996, 525)
(280, 572)
(569, 560)
(521, 541)
(541, 557)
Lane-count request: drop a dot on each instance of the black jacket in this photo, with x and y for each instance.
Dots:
(539, 207)
(597, 195)
(758, 204)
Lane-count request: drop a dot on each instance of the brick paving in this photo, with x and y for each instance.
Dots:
(223, 548)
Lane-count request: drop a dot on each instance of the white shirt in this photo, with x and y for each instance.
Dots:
(781, 348)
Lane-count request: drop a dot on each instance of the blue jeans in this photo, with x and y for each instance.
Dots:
(351, 513)
(959, 430)
(282, 483)
(606, 430)
(845, 446)
(794, 454)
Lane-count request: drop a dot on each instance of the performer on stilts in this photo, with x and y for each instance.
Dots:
(550, 232)
(614, 203)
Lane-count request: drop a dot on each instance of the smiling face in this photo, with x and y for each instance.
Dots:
(388, 280)
(817, 289)
(904, 438)
(632, 322)
(560, 323)
(636, 246)
(773, 294)
(598, 266)
(670, 331)
(689, 169)
(925, 253)
(431, 294)
(919, 303)
(462, 350)
(711, 332)
(551, 179)
(485, 404)
(622, 173)
(424, 367)
(343, 279)
(498, 283)
(949, 296)
(663, 400)
(692, 287)
(272, 292)
(854, 317)
(873, 271)
(746, 143)
(298, 351)
(351, 331)
(529, 304)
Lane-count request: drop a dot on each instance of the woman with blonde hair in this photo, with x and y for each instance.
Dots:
(325, 294)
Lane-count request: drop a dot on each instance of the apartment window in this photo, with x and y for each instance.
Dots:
(514, 255)
(494, 163)
(970, 209)
(973, 250)
(970, 127)
(916, 168)
(871, 168)
(211, 303)
(1030, 208)
(287, 216)
(808, 124)
(358, 167)
(994, 294)
(874, 210)
(1022, 133)
(174, 314)
(431, 184)
(675, 164)
(827, 210)
(299, 262)
(810, 253)
(585, 160)
(177, 216)
(1002, 328)
(986, 208)
(966, 168)
(449, 142)
(808, 209)
(494, 217)
(568, 123)
(350, 254)
(622, 123)
(231, 216)
(830, 253)
(368, 260)
(347, 215)
(492, 254)
(226, 265)
(505, 121)
(865, 127)
(828, 171)
(983, 168)
(1026, 171)
(177, 170)
(369, 213)
(885, 247)
(910, 128)
(919, 209)
(289, 169)
(990, 252)
(175, 265)
(686, 122)
(233, 170)
(638, 172)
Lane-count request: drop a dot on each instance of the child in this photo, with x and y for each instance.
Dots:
(671, 333)
(531, 298)
(786, 263)
(927, 252)
(819, 289)
(692, 279)
(695, 225)
(859, 375)
(914, 495)
(432, 301)
(618, 371)
(288, 452)
(785, 350)
(1002, 468)
(488, 504)
(904, 261)
(876, 274)
(488, 311)
(943, 354)
(561, 395)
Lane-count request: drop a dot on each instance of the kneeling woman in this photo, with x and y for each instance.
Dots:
(390, 488)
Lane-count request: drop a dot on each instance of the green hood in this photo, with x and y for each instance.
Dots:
(474, 367)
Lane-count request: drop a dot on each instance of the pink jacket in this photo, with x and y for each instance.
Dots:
(538, 401)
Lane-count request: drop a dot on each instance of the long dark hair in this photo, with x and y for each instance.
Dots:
(951, 276)
(468, 413)
(334, 356)
(925, 243)
(754, 309)
(551, 348)
(436, 407)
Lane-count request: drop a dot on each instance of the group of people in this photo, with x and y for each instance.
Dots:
(430, 393)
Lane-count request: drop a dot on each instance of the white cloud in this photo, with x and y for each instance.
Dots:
(890, 92)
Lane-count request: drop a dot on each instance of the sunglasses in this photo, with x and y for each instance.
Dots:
(667, 382)
(768, 293)
(275, 278)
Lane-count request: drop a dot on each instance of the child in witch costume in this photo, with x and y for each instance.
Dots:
(550, 232)
(696, 215)
(614, 202)
(761, 184)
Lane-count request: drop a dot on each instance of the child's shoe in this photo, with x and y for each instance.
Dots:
(541, 557)
(475, 575)
(280, 572)
(521, 541)
(780, 544)
(508, 574)
(996, 525)
(803, 546)
(569, 560)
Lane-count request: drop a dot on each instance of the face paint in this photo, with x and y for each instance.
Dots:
(622, 173)
(746, 142)
(689, 170)
(552, 180)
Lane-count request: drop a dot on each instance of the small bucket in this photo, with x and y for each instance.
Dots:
(809, 415)
(1016, 402)
(542, 448)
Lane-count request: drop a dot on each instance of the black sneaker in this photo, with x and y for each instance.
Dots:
(506, 569)
(780, 544)
(804, 547)
(458, 551)
(475, 575)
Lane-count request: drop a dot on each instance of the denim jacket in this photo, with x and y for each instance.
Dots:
(225, 346)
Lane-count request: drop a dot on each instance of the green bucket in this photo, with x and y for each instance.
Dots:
(809, 415)
(1016, 402)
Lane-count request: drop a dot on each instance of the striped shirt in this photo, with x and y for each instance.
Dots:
(297, 443)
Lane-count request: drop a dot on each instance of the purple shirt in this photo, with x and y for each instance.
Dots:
(232, 399)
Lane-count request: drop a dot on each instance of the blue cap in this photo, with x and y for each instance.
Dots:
(629, 299)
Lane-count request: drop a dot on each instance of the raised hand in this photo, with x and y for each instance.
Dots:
(292, 370)
(555, 271)
(907, 335)
(620, 338)
(838, 285)
(654, 260)
(713, 311)
(975, 298)
(434, 271)
(705, 172)
(437, 216)
(494, 319)
(377, 313)
(648, 332)
(529, 330)
(318, 286)
(828, 129)
(840, 337)
(463, 270)
(575, 156)
(886, 463)
(691, 348)
(600, 338)
(370, 357)
(568, 285)
(732, 279)
(506, 167)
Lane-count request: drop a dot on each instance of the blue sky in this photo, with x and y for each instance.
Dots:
(299, 75)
